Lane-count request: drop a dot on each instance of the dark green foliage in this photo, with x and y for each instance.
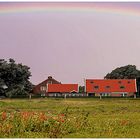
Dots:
(125, 72)
(81, 89)
(14, 78)
(1, 87)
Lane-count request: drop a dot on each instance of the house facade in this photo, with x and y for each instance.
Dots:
(111, 87)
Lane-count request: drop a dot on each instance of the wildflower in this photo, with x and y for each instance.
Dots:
(25, 115)
(42, 116)
(9, 127)
(62, 115)
(61, 120)
(4, 115)
(124, 122)
(11, 116)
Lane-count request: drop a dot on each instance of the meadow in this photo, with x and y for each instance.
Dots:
(70, 118)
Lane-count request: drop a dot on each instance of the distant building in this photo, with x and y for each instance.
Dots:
(52, 87)
(111, 87)
(43, 86)
(61, 89)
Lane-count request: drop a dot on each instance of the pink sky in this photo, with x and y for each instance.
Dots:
(71, 46)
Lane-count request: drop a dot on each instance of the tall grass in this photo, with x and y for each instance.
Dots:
(70, 118)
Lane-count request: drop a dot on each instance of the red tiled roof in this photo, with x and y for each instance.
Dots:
(110, 85)
(62, 88)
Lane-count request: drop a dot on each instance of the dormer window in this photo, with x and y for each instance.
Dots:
(107, 87)
(122, 87)
(96, 87)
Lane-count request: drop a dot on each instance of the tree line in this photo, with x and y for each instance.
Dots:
(14, 77)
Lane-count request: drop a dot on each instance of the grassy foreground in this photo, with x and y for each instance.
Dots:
(70, 118)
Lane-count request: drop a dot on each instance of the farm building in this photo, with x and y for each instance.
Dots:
(111, 87)
(61, 89)
(52, 87)
(42, 87)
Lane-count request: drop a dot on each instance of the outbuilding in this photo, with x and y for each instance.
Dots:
(62, 89)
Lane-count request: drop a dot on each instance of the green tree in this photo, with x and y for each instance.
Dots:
(2, 89)
(14, 78)
(125, 72)
(81, 89)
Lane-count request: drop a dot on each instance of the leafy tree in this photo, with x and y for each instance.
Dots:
(1, 87)
(14, 78)
(81, 89)
(125, 72)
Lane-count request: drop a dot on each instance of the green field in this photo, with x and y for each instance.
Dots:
(70, 118)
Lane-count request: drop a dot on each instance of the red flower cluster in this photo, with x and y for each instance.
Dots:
(41, 116)
(3, 115)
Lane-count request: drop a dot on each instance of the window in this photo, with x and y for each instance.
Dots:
(107, 87)
(91, 94)
(105, 94)
(108, 94)
(96, 87)
(43, 95)
(91, 82)
(43, 88)
(124, 94)
(122, 87)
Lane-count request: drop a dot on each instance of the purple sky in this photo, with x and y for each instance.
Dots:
(70, 46)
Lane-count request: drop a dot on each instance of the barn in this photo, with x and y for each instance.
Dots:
(41, 88)
(52, 87)
(111, 87)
